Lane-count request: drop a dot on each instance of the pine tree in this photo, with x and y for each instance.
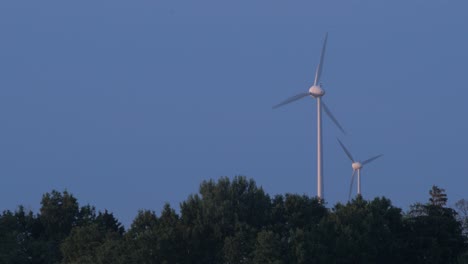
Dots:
(438, 196)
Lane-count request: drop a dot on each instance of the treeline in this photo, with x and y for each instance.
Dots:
(237, 222)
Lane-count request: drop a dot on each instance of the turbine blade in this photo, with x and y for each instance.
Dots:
(351, 185)
(329, 113)
(346, 150)
(371, 159)
(320, 66)
(291, 99)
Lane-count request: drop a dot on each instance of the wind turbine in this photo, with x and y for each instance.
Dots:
(316, 91)
(357, 166)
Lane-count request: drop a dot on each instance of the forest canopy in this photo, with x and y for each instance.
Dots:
(235, 221)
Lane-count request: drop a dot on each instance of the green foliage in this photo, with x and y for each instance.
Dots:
(211, 217)
(12, 238)
(462, 211)
(81, 244)
(86, 242)
(238, 247)
(267, 248)
(234, 221)
(434, 234)
(367, 231)
(438, 196)
(59, 213)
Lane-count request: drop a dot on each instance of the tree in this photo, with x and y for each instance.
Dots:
(238, 248)
(58, 214)
(141, 238)
(107, 222)
(301, 211)
(432, 232)
(80, 246)
(83, 244)
(12, 248)
(169, 243)
(234, 221)
(211, 216)
(462, 208)
(155, 240)
(366, 231)
(267, 248)
(438, 196)
(20, 234)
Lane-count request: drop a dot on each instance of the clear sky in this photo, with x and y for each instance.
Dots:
(131, 104)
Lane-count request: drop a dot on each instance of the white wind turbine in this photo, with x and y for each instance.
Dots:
(357, 166)
(316, 91)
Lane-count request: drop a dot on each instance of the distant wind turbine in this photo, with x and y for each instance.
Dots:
(357, 166)
(316, 91)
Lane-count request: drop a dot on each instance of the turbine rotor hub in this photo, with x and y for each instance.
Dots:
(356, 165)
(316, 91)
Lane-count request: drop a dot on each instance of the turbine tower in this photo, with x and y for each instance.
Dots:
(316, 91)
(357, 166)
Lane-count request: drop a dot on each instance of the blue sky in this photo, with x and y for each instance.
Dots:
(131, 104)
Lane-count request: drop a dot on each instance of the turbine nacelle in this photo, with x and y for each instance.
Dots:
(356, 165)
(316, 91)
